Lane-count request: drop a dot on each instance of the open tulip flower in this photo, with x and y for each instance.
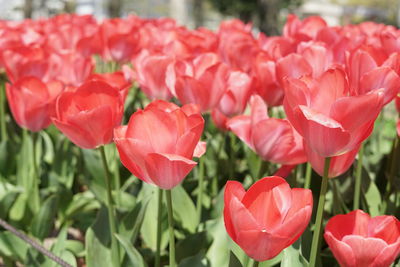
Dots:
(89, 114)
(267, 218)
(358, 240)
(273, 139)
(158, 143)
(31, 100)
(331, 121)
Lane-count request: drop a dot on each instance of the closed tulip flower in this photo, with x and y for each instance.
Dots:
(331, 121)
(356, 239)
(272, 139)
(159, 142)
(30, 101)
(267, 218)
(89, 114)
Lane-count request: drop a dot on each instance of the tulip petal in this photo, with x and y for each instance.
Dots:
(272, 193)
(353, 112)
(168, 170)
(365, 250)
(322, 134)
(342, 251)
(233, 189)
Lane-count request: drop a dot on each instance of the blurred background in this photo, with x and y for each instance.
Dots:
(266, 15)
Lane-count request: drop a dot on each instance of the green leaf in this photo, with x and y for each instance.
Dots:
(134, 256)
(48, 155)
(97, 238)
(43, 222)
(194, 261)
(8, 195)
(234, 261)
(191, 245)
(292, 258)
(373, 198)
(219, 252)
(130, 225)
(149, 226)
(12, 247)
(76, 247)
(184, 210)
(95, 167)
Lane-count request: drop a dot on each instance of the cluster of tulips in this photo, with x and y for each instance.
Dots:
(310, 96)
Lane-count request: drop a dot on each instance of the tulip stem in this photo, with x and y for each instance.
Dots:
(200, 188)
(307, 181)
(255, 264)
(3, 114)
(357, 189)
(159, 219)
(171, 229)
(111, 211)
(320, 212)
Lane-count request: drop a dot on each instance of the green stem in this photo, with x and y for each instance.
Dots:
(171, 230)
(111, 211)
(320, 212)
(34, 158)
(200, 188)
(158, 248)
(3, 114)
(357, 189)
(307, 181)
(255, 264)
(392, 171)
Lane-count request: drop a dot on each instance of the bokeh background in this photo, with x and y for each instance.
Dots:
(266, 15)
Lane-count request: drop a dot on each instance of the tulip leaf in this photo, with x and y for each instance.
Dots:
(219, 252)
(373, 198)
(184, 210)
(292, 257)
(234, 261)
(191, 245)
(149, 225)
(95, 167)
(134, 256)
(132, 222)
(12, 247)
(194, 261)
(43, 222)
(97, 238)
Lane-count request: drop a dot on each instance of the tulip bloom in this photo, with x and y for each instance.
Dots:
(331, 121)
(158, 143)
(338, 165)
(273, 139)
(116, 79)
(356, 239)
(150, 72)
(30, 101)
(202, 80)
(267, 218)
(89, 114)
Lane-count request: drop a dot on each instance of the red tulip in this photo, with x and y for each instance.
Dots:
(158, 143)
(89, 114)
(338, 165)
(356, 239)
(70, 68)
(26, 61)
(365, 75)
(236, 95)
(273, 139)
(330, 120)
(30, 101)
(202, 80)
(265, 81)
(150, 70)
(267, 218)
(116, 79)
(304, 30)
